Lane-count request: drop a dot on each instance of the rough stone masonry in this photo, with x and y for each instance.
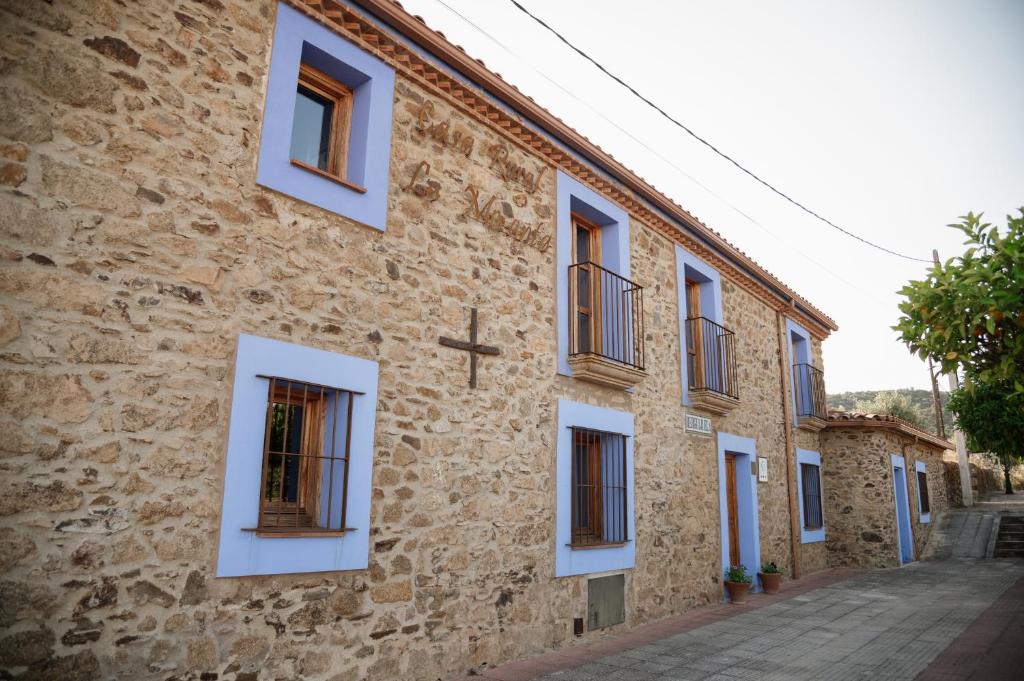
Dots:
(135, 246)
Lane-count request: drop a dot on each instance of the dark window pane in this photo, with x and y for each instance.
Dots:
(311, 129)
(583, 335)
(583, 287)
(812, 495)
(274, 472)
(582, 244)
(922, 485)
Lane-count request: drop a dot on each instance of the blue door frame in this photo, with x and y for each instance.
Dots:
(745, 451)
(904, 538)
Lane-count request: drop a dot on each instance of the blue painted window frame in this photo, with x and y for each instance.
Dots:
(922, 517)
(575, 197)
(814, 458)
(745, 450)
(242, 553)
(689, 266)
(297, 39)
(568, 561)
(800, 352)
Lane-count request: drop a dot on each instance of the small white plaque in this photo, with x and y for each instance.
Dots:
(697, 424)
(762, 469)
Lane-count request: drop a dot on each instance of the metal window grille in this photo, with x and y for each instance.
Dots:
(922, 490)
(811, 479)
(598, 488)
(711, 357)
(607, 315)
(304, 482)
(809, 387)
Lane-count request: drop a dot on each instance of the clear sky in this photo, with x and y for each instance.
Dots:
(890, 118)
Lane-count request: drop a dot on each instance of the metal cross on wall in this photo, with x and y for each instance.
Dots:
(472, 346)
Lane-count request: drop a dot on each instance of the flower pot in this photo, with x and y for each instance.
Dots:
(770, 581)
(737, 591)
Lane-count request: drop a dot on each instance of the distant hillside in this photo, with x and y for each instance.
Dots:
(921, 400)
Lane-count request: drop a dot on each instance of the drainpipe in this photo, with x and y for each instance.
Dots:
(906, 469)
(787, 418)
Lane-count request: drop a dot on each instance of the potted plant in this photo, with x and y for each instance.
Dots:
(771, 577)
(737, 583)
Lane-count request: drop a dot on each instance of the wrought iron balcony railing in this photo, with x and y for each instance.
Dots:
(606, 315)
(711, 357)
(809, 388)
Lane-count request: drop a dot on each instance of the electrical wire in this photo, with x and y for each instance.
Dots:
(654, 152)
(708, 144)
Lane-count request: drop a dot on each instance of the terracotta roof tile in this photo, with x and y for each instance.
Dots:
(847, 419)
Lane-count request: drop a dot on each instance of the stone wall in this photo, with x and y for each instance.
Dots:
(136, 246)
(860, 513)
(987, 476)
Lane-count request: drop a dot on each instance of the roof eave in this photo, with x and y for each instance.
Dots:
(393, 14)
(898, 426)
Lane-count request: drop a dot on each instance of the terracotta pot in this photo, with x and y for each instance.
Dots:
(737, 591)
(770, 581)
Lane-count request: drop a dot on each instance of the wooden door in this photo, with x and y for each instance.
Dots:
(586, 246)
(730, 503)
(694, 366)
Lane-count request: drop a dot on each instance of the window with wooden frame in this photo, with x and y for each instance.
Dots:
(598, 488)
(303, 488)
(693, 364)
(586, 253)
(922, 492)
(320, 128)
(810, 478)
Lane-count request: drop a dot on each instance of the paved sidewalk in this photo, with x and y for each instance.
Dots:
(576, 656)
(882, 625)
(991, 649)
(958, 617)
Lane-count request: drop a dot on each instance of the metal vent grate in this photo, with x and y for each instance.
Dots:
(606, 601)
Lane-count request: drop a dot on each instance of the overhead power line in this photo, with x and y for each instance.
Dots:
(706, 143)
(829, 271)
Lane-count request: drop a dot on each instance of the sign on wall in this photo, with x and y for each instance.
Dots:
(697, 424)
(762, 469)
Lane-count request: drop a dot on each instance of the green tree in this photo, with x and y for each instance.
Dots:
(989, 414)
(894, 404)
(968, 313)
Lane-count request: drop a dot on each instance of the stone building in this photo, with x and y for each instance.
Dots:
(885, 481)
(326, 353)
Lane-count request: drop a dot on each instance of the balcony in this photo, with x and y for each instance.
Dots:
(809, 390)
(606, 327)
(711, 366)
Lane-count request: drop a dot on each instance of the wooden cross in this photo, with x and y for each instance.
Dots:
(472, 346)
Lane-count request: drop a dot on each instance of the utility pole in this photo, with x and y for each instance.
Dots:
(940, 420)
(958, 436)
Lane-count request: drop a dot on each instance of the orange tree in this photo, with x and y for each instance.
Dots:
(968, 313)
(992, 417)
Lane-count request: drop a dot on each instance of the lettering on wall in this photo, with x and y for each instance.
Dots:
(441, 131)
(697, 424)
(510, 171)
(496, 214)
(489, 214)
(429, 190)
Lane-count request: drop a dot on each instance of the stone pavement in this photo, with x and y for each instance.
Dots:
(992, 648)
(878, 625)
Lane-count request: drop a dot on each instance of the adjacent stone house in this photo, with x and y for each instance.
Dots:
(885, 482)
(326, 353)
